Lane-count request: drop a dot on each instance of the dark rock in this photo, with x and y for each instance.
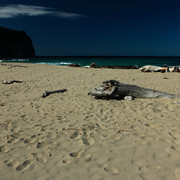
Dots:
(15, 44)
(74, 65)
(94, 65)
(119, 67)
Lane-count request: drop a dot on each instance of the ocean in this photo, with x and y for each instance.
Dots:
(100, 61)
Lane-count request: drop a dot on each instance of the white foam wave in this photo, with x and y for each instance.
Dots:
(15, 60)
(56, 64)
(22, 60)
(65, 63)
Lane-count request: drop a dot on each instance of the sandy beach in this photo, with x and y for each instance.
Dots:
(73, 136)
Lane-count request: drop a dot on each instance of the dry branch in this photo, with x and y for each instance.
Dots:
(11, 65)
(10, 82)
(47, 93)
(17, 66)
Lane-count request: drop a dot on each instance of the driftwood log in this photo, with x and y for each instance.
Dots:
(47, 93)
(10, 82)
(116, 90)
(12, 66)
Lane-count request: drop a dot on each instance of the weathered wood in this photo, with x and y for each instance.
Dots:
(47, 93)
(116, 90)
(10, 82)
(11, 65)
(17, 66)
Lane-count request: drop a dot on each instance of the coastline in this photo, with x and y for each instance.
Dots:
(71, 135)
(101, 61)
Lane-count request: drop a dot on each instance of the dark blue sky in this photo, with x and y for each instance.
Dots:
(97, 27)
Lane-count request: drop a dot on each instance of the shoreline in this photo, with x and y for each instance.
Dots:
(115, 62)
(71, 135)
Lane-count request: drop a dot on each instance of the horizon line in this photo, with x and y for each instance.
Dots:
(39, 56)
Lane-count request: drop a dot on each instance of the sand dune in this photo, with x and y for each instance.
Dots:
(71, 135)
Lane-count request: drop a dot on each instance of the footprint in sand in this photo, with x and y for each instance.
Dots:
(149, 167)
(76, 154)
(88, 140)
(112, 170)
(41, 144)
(13, 140)
(4, 148)
(86, 156)
(75, 135)
(31, 139)
(13, 163)
(39, 157)
(172, 148)
(66, 161)
(15, 129)
(73, 155)
(51, 136)
(25, 165)
(81, 154)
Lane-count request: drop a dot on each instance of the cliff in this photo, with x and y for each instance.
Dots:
(15, 44)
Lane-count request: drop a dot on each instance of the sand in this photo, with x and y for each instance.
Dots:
(73, 136)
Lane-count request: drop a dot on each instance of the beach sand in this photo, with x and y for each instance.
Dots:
(73, 136)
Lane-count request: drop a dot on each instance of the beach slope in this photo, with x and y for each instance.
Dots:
(72, 136)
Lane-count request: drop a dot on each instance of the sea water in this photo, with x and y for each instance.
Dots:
(100, 61)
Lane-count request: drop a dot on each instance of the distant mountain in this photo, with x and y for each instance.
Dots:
(15, 44)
